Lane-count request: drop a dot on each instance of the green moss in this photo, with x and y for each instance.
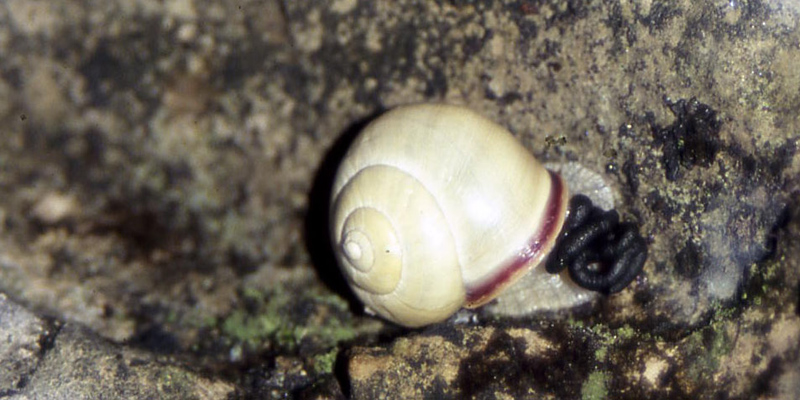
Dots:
(595, 386)
(254, 294)
(600, 353)
(323, 363)
(611, 337)
(626, 332)
(266, 323)
(705, 348)
(721, 312)
(247, 328)
(577, 324)
(279, 318)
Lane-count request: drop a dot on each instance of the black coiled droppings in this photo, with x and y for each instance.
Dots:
(600, 253)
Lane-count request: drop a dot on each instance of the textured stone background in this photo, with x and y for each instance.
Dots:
(164, 170)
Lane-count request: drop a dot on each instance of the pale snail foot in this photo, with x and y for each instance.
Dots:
(601, 253)
(538, 291)
(582, 180)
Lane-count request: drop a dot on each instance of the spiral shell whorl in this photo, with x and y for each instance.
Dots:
(371, 247)
(402, 264)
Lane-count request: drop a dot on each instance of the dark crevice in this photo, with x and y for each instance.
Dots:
(692, 139)
(317, 239)
(46, 344)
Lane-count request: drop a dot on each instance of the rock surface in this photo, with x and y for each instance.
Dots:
(23, 338)
(165, 167)
(42, 360)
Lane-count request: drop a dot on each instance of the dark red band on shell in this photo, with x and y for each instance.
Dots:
(531, 252)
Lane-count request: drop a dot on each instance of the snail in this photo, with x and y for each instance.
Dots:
(435, 208)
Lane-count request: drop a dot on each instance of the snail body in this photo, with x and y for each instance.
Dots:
(540, 291)
(435, 207)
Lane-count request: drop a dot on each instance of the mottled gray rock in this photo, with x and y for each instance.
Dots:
(43, 361)
(82, 365)
(23, 338)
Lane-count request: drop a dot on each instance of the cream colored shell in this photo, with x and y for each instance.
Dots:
(428, 206)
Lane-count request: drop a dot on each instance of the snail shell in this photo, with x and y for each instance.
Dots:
(435, 208)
